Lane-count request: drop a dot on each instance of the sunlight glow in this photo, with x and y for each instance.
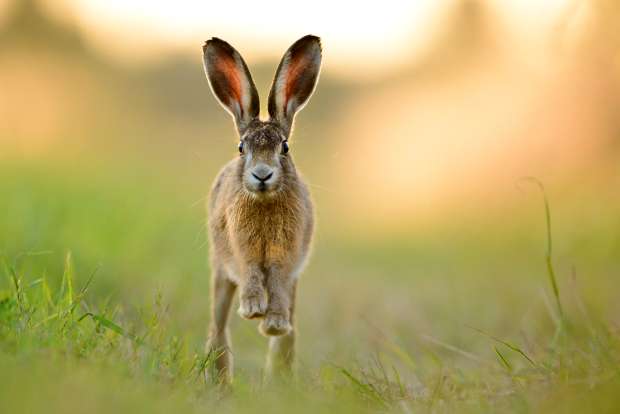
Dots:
(362, 39)
(381, 34)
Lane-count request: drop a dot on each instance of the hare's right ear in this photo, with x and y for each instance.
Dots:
(231, 82)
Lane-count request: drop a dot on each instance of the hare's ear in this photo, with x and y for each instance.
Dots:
(295, 80)
(231, 82)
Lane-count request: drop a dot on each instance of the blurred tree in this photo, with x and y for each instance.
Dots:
(466, 34)
(29, 25)
(598, 59)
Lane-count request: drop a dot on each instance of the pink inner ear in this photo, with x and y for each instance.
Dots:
(294, 72)
(228, 67)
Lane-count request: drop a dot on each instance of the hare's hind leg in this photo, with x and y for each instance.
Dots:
(281, 354)
(218, 344)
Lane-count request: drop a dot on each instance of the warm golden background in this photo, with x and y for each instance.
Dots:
(427, 116)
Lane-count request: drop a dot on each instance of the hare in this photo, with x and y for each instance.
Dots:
(260, 215)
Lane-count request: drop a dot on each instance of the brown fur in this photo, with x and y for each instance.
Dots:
(260, 232)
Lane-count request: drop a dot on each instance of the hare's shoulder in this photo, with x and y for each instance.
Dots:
(307, 209)
(224, 183)
(304, 195)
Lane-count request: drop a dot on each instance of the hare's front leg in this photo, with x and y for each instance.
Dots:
(280, 293)
(252, 298)
(281, 353)
(218, 344)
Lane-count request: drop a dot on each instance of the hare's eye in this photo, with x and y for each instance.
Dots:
(284, 147)
(240, 147)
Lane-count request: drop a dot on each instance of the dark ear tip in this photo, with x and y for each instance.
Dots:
(307, 44)
(215, 42)
(310, 39)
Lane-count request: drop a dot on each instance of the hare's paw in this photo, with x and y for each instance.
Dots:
(252, 304)
(275, 324)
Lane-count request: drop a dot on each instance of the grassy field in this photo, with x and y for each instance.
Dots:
(104, 305)
(435, 284)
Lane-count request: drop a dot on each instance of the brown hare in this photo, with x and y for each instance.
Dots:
(260, 216)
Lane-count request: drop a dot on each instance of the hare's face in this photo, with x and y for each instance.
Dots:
(263, 152)
(263, 144)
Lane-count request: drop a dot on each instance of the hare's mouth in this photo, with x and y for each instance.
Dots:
(261, 189)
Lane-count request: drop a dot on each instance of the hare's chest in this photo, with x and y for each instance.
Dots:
(264, 235)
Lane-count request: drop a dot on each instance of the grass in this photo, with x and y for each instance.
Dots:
(107, 311)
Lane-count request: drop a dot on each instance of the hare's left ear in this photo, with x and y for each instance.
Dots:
(295, 80)
(231, 82)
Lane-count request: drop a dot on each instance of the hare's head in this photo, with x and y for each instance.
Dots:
(263, 145)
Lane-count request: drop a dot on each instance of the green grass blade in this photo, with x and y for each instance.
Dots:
(503, 360)
(549, 253)
(363, 388)
(66, 291)
(506, 344)
(108, 324)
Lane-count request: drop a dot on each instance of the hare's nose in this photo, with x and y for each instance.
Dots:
(262, 173)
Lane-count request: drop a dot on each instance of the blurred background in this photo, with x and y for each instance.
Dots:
(427, 116)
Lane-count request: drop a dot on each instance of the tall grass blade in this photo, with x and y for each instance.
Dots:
(549, 252)
(66, 291)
